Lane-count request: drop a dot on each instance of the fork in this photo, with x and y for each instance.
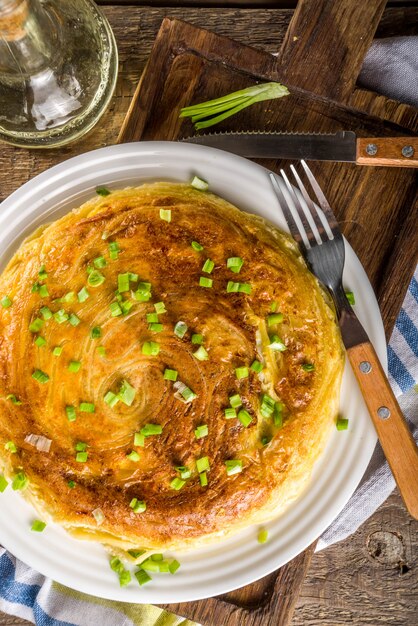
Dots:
(322, 245)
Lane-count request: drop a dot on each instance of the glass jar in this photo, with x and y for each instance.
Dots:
(58, 70)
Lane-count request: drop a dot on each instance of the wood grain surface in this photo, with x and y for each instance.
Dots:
(266, 30)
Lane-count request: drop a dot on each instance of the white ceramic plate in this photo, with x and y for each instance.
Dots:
(240, 560)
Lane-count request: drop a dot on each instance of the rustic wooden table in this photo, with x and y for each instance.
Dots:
(370, 578)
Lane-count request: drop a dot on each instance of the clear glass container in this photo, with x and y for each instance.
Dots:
(58, 70)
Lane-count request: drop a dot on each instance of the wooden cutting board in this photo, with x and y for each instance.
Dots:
(377, 207)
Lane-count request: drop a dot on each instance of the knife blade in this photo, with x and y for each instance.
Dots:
(342, 146)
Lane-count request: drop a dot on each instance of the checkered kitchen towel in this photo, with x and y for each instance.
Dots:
(27, 594)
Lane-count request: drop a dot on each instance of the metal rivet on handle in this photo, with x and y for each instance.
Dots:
(383, 412)
(365, 367)
(371, 149)
(408, 151)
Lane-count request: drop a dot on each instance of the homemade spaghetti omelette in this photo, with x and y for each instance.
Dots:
(169, 369)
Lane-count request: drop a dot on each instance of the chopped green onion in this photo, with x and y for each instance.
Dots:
(114, 250)
(151, 429)
(61, 316)
(123, 574)
(99, 262)
(241, 372)
(342, 423)
(278, 415)
(36, 325)
(68, 297)
(197, 339)
(126, 306)
(157, 557)
(244, 288)
(235, 263)
(74, 366)
(273, 307)
(230, 413)
(123, 282)
(133, 456)
(180, 329)
(208, 113)
(276, 344)
(142, 577)
(10, 446)
(155, 328)
(267, 405)
(184, 472)
(86, 407)
(143, 293)
(74, 320)
(101, 350)
(20, 481)
(262, 535)
(274, 319)
(205, 282)
(308, 367)
(201, 354)
(151, 348)
(234, 466)
(43, 275)
(197, 246)
(173, 567)
(232, 287)
(40, 376)
(103, 191)
(245, 418)
(208, 266)
(6, 302)
(111, 399)
(43, 291)
(152, 318)
(235, 401)
(256, 366)
(350, 297)
(203, 477)
(38, 526)
(81, 446)
(202, 464)
(138, 506)
(199, 183)
(115, 309)
(177, 484)
(13, 399)
(139, 440)
(95, 278)
(71, 484)
(35, 287)
(127, 393)
(40, 341)
(186, 393)
(71, 414)
(170, 374)
(81, 457)
(165, 214)
(3, 483)
(96, 332)
(160, 308)
(57, 351)
(46, 313)
(83, 294)
(150, 565)
(201, 431)
(265, 440)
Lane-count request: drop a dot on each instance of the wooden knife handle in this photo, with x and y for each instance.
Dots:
(394, 435)
(387, 151)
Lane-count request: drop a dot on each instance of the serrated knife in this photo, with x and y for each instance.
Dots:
(343, 146)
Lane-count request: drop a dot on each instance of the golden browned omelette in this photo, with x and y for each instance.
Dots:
(169, 369)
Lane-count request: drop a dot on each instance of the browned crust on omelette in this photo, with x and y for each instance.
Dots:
(231, 323)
